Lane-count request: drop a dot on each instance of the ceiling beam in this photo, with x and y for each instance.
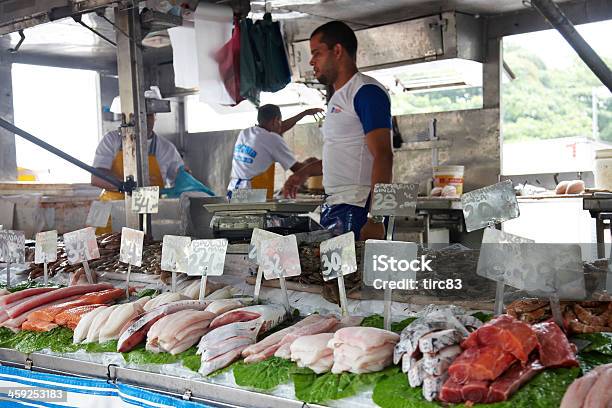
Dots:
(529, 20)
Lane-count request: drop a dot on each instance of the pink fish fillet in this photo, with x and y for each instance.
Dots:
(600, 394)
(278, 336)
(54, 295)
(134, 334)
(577, 392)
(13, 297)
(220, 362)
(16, 322)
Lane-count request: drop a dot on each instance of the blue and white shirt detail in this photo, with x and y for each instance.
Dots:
(359, 107)
(255, 150)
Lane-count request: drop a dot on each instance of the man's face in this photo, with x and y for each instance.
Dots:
(150, 124)
(323, 61)
(277, 125)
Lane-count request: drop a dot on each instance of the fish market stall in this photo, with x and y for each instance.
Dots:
(169, 296)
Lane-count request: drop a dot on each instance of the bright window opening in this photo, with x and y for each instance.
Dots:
(59, 106)
(556, 112)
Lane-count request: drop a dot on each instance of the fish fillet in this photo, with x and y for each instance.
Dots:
(22, 294)
(93, 335)
(38, 325)
(116, 320)
(600, 394)
(225, 305)
(71, 317)
(271, 315)
(222, 361)
(53, 296)
(81, 330)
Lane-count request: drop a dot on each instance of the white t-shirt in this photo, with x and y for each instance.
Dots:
(360, 106)
(167, 156)
(255, 150)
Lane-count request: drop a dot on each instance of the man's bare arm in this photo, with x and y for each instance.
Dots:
(291, 122)
(379, 144)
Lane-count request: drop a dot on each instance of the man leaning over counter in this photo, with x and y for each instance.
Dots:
(357, 149)
(262, 145)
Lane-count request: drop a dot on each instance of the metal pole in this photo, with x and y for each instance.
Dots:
(51, 149)
(553, 14)
(131, 90)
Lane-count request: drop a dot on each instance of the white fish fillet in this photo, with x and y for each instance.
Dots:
(81, 330)
(363, 338)
(184, 344)
(98, 322)
(163, 299)
(309, 349)
(223, 293)
(577, 392)
(226, 346)
(121, 315)
(225, 305)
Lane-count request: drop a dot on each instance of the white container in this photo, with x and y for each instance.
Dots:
(603, 169)
(448, 176)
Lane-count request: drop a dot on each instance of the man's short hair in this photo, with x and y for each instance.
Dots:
(337, 32)
(267, 113)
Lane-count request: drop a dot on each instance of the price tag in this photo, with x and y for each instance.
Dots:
(258, 236)
(175, 253)
(390, 261)
(207, 257)
(145, 200)
(45, 249)
(280, 257)
(131, 246)
(99, 211)
(489, 205)
(12, 246)
(395, 199)
(501, 256)
(248, 195)
(81, 245)
(338, 256)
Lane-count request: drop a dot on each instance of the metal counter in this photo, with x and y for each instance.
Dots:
(600, 207)
(193, 390)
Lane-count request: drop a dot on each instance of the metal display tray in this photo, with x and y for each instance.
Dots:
(193, 390)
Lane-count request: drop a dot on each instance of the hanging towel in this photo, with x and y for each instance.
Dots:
(228, 59)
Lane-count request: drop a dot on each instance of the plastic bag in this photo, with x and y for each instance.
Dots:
(185, 182)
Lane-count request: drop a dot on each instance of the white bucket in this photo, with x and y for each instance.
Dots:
(603, 169)
(449, 176)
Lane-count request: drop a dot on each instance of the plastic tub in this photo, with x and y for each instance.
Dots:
(449, 176)
(603, 169)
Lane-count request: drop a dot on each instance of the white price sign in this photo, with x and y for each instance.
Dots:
(175, 253)
(207, 257)
(81, 245)
(280, 257)
(99, 211)
(12, 246)
(258, 236)
(247, 195)
(131, 246)
(145, 200)
(45, 249)
(338, 256)
(395, 199)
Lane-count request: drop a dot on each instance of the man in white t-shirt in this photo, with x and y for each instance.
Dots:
(357, 148)
(260, 146)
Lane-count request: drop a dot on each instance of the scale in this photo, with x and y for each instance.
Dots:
(235, 221)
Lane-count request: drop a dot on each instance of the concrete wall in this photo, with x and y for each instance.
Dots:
(8, 158)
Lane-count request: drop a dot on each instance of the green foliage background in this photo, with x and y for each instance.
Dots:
(541, 103)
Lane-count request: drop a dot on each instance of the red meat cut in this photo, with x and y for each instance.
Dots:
(451, 392)
(480, 363)
(555, 348)
(513, 379)
(512, 335)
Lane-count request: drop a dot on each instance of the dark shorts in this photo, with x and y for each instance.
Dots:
(342, 218)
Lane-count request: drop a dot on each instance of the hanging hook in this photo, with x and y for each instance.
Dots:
(21, 40)
(268, 7)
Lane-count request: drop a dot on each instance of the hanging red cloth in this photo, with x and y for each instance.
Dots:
(228, 58)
